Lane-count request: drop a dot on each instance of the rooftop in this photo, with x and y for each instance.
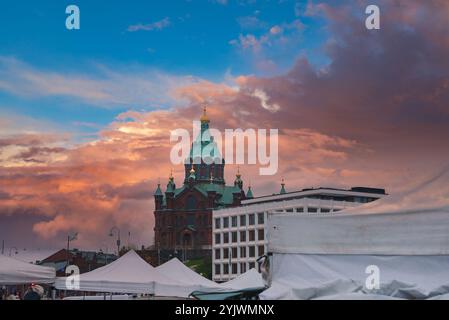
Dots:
(363, 192)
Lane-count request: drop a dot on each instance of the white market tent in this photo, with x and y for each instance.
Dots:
(177, 270)
(324, 256)
(128, 274)
(13, 271)
(250, 279)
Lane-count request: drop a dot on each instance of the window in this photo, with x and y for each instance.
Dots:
(242, 236)
(234, 268)
(225, 253)
(217, 269)
(217, 223)
(313, 210)
(191, 203)
(234, 253)
(251, 219)
(252, 252)
(300, 209)
(217, 238)
(217, 254)
(234, 221)
(252, 265)
(234, 237)
(260, 218)
(225, 237)
(242, 221)
(226, 268)
(290, 210)
(261, 250)
(252, 235)
(242, 267)
(325, 210)
(261, 234)
(226, 222)
(242, 252)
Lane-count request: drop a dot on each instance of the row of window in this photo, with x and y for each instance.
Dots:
(233, 267)
(232, 237)
(181, 220)
(239, 252)
(225, 222)
(307, 210)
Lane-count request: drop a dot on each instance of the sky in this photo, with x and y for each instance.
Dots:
(85, 115)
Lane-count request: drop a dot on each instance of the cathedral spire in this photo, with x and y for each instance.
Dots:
(238, 179)
(249, 194)
(158, 191)
(171, 182)
(204, 118)
(283, 187)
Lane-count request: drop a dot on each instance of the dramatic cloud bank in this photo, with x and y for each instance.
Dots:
(377, 115)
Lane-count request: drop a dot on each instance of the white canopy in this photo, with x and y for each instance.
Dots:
(175, 269)
(405, 237)
(248, 280)
(13, 272)
(128, 274)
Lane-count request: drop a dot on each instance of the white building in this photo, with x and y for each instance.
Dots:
(239, 233)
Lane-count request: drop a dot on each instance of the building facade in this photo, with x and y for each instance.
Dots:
(183, 215)
(240, 235)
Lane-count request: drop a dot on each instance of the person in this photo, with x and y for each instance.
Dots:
(35, 292)
(12, 297)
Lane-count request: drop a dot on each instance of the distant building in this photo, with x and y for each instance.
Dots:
(85, 260)
(183, 215)
(240, 236)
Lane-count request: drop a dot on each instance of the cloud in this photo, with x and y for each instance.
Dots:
(271, 46)
(251, 22)
(376, 115)
(275, 30)
(222, 2)
(104, 87)
(263, 97)
(158, 25)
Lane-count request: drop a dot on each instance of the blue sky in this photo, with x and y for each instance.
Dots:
(211, 40)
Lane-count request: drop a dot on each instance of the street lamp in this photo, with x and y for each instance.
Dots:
(105, 253)
(15, 252)
(111, 234)
(70, 238)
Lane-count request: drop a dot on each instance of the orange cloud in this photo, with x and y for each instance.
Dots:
(376, 116)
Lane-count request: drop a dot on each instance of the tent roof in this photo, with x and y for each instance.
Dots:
(247, 280)
(13, 271)
(177, 270)
(128, 274)
(415, 222)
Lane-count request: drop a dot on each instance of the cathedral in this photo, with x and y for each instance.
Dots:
(183, 215)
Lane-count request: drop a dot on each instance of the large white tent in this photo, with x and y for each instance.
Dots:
(402, 240)
(177, 270)
(128, 274)
(248, 280)
(13, 271)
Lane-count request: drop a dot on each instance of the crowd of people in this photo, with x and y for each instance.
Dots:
(34, 292)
